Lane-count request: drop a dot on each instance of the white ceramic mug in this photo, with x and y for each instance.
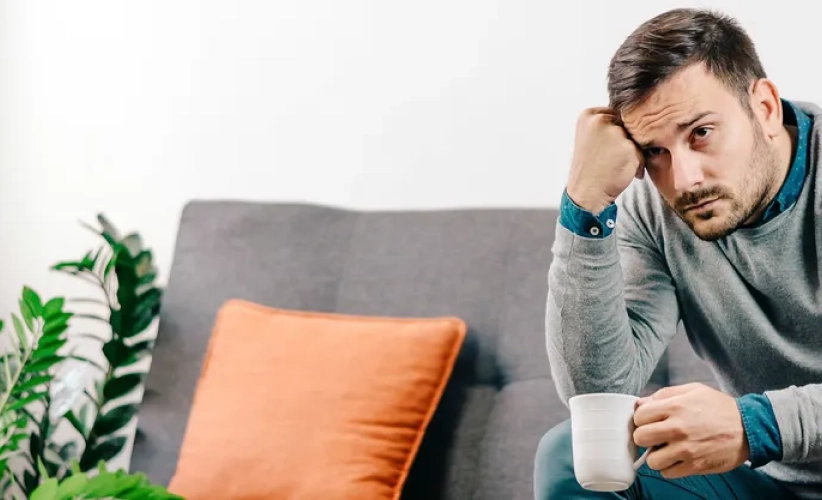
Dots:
(603, 448)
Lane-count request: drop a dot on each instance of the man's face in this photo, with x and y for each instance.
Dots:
(707, 156)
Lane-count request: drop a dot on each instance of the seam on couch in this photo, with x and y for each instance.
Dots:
(344, 265)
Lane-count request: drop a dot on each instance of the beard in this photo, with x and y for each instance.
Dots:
(732, 209)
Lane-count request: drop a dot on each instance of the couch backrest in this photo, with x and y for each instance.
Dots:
(487, 266)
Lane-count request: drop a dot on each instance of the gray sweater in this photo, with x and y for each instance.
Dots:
(751, 303)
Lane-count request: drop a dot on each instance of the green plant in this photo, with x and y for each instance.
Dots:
(26, 378)
(124, 272)
(35, 396)
(104, 484)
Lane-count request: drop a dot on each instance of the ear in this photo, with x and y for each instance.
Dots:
(767, 106)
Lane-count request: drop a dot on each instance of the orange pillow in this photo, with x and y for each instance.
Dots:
(301, 405)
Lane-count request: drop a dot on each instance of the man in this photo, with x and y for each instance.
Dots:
(695, 196)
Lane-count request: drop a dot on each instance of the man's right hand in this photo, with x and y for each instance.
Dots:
(605, 160)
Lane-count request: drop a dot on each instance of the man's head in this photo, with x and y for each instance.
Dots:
(692, 94)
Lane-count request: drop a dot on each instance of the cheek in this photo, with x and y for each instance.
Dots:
(731, 158)
(663, 181)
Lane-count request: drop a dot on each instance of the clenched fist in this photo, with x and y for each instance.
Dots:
(605, 160)
(695, 430)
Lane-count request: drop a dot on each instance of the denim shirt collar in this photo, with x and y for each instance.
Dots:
(792, 187)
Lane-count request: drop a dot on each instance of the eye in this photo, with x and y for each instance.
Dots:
(652, 152)
(702, 132)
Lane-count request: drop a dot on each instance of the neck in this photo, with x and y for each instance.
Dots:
(785, 146)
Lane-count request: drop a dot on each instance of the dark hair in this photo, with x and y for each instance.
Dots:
(676, 39)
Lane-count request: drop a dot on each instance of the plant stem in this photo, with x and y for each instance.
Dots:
(15, 377)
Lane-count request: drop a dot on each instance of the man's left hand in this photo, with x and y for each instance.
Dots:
(697, 430)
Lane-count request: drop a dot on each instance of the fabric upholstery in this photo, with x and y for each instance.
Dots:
(486, 266)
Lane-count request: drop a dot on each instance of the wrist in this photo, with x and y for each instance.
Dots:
(592, 202)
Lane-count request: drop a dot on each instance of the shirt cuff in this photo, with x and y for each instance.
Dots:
(584, 223)
(761, 429)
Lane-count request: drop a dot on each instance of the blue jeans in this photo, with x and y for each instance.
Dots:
(554, 479)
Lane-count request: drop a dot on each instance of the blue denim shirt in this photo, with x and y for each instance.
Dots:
(758, 419)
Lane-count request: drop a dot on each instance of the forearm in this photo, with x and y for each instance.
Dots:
(589, 341)
(609, 313)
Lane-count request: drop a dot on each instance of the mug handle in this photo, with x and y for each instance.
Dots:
(641, 460)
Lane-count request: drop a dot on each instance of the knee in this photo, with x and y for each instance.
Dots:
(553, 464)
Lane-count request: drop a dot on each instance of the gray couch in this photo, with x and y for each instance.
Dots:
(487, 266)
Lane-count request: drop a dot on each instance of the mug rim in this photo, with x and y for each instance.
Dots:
(607, 395)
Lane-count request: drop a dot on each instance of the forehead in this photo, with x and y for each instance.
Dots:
(688, 93)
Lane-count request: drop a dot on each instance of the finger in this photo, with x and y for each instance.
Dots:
(655, 434)
(665, 457)
(674, 390)
(601, 110)
(651, 411)
(679, 470)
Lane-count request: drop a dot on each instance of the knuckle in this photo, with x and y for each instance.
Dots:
(675, 406)
(678, 431)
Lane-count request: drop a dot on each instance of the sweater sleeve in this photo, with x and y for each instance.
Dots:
(798, 413)
(611, 309)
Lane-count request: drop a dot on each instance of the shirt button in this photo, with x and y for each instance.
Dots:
(595, 231)
(610, 223)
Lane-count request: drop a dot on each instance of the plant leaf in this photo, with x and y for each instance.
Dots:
(104, 450)
(33, 301)
(48, 349)
(43, 364)
(53, 307)
(32, 383)
(21, 332)
(34, 446)
(20, 403)
(57, 324)
(67, 451)
(46, 491)
(141, 322)
(149, 301)
(120, 386)
(29, 480)
(72, 486)
(115, 352)
(108, 227)
(115, 419)
(28, 316)
(75, 422)
(71, 267)
(41, 469)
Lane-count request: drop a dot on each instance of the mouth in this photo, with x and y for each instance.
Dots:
(701, 206)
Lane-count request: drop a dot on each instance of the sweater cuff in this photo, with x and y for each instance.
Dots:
(761, 429)
(584, 223)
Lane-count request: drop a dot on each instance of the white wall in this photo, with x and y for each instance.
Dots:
(133, 108)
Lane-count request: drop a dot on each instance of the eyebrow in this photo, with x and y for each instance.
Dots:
(681, 126)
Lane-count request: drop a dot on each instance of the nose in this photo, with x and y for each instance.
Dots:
(687, 171)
